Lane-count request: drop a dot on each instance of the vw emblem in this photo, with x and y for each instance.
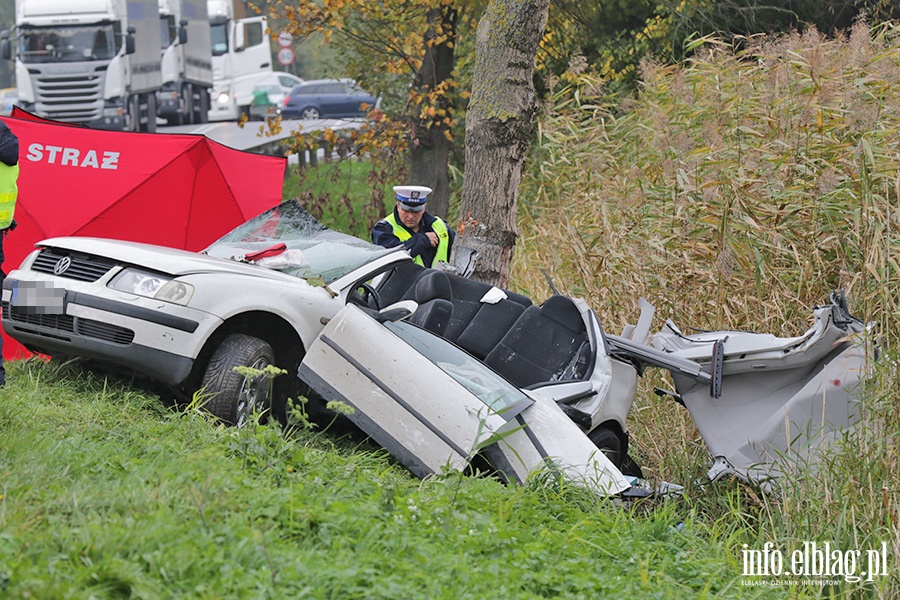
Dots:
(62, 265)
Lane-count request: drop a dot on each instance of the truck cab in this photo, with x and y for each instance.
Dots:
(241, 55)
(93, 62)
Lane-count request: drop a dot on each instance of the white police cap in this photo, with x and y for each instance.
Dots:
(412, 197)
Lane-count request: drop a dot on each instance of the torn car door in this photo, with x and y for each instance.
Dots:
(432, 406)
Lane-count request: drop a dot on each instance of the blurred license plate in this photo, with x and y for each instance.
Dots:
(38, 298)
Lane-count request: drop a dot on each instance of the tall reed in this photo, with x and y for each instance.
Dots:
(738, 191)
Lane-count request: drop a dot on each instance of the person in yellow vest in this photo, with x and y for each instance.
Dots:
(9, 174)
(427, 238)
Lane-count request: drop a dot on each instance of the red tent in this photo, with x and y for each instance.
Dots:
(176, 190)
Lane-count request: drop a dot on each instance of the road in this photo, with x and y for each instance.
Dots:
(250, 138)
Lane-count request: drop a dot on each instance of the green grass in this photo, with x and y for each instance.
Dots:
(107, 494)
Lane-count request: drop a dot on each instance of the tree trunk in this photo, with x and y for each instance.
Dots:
(498, 132)
(429, 157)
(429, 153)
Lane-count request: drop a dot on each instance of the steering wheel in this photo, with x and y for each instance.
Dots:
(362, 298)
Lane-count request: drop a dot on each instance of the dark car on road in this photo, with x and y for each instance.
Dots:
(333, 98)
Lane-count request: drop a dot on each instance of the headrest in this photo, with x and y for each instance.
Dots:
(563, 311)
(521, 299)
(433, 285)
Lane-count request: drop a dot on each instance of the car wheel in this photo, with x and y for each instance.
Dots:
(609, 443)
(232, 397)
(309, 113)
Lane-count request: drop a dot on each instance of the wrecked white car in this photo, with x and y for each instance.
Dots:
(283, 289)
(438, 368)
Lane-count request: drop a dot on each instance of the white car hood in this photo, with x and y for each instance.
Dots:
(171, 261)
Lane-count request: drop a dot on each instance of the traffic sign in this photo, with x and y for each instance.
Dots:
(285, 39)
(285, 56)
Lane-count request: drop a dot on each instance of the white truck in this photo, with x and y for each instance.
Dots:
(186, 62)
(241, 55)
(94, 62)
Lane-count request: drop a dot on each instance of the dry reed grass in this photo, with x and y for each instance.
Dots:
(737, 191)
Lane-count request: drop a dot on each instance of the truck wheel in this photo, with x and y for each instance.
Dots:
(151, 113)
(133, 117)
(609, 443)
(200, 106)
(187, 92)
(232, 398)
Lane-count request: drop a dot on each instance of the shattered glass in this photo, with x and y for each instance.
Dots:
(310, 250)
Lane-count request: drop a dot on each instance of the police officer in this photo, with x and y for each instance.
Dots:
(427, 237)
(9, 174)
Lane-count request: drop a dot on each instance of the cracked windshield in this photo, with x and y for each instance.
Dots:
(289, 239)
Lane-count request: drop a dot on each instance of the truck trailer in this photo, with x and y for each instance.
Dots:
(93, 62)
(241, 55)
(186, 62)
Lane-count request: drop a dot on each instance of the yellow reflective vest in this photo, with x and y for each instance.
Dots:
(439, 227)
(9, 191)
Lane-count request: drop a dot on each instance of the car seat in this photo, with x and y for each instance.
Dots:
(546, 343)
(433, 295)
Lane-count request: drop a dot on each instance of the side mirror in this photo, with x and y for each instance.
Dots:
(239, 38)
(5, 46)
(182, 32)
(129, 40)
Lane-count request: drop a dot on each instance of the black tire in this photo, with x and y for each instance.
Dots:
(203, 102)
(177, 118)
(187, 92)
(608, 442)
(151, 113)
(133, 117)
(232, 398)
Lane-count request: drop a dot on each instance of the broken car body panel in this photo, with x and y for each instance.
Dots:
(433, 406)
(782, 399)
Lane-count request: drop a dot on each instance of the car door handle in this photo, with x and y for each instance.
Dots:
(264, 65)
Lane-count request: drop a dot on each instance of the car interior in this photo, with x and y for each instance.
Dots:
(529, 345)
